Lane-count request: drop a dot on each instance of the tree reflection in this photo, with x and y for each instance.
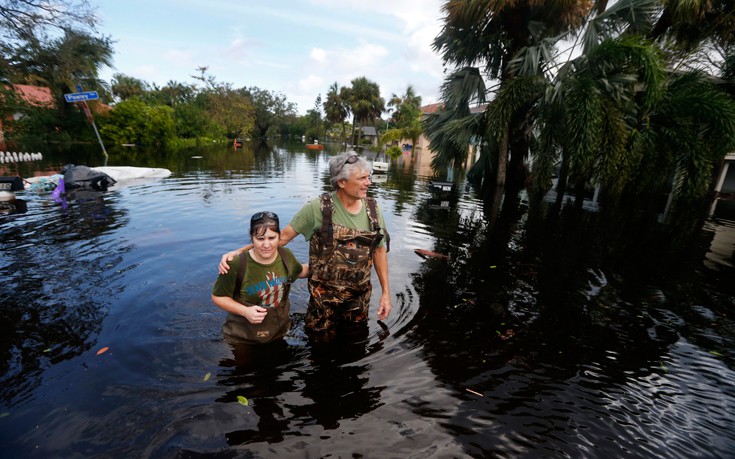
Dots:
(330, 377)
(55, 287)
(529, 299)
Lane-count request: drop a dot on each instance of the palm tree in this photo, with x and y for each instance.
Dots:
(453, 127)
(406, 117)
(406, 108)
(365, 103)
(336, 108)
(690, 24)
(64, 62)
(492, 34)
(619, 117)
(125, 87)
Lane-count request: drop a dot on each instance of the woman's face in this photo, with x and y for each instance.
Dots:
(266, 245)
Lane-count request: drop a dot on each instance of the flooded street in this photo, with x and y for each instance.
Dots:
(536, 336)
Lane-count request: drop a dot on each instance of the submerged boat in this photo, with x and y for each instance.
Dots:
(380, 166)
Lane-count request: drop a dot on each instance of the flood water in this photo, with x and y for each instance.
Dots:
(537, 337)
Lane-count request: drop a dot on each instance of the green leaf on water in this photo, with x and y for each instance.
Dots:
(207, 376)
(493, 267)
(4, 414)
(242, 400)
(715, 353)
(47, 350)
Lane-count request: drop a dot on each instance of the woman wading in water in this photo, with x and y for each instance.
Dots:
(255, 289)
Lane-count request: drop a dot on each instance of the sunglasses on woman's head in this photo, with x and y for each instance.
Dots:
(261, 215)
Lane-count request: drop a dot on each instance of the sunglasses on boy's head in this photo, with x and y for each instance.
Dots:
(261, 215)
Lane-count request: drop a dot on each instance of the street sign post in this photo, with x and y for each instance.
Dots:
(83, 97)
(80, 96)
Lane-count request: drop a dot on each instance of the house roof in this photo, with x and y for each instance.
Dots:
(38, 96)
(431, 108)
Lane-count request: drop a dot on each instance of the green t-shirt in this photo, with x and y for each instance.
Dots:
(262, 284)
(309, 218)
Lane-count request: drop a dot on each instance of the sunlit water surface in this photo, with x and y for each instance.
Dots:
(479, 357)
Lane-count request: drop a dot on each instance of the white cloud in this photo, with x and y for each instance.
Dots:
(318, 54)
(310, 85)
(298, 48)
(178, 57)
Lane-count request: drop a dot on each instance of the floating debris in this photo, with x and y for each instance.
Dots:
(429, 254)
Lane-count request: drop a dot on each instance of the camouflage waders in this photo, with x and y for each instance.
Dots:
(340, 260)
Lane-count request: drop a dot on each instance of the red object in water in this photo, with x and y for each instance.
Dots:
(312, 146)
(429, 254)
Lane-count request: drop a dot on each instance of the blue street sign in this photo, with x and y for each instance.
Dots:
(80, 96)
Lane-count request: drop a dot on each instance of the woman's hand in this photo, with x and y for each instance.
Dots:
(229, 256)
(254, 314)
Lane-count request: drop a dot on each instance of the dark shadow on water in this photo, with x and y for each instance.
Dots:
(329, 377)
(533, 300)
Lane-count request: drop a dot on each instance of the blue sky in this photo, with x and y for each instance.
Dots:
(298, 48)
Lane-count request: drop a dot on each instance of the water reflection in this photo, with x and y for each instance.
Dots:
(536, 334)
(523, 312)
(55, 265)
(257, 375)
(333, 383)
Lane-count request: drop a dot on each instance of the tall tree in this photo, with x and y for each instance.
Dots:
(124, 87)
(229, 108)
(490, 35)
(27, 19)
(172, 94)
(336, 108)
(406, 108)
(318, 112)
(270, 109)
(62, 63)
(365, 103)
(406, 117)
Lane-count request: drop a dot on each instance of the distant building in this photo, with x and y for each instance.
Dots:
(369, 134)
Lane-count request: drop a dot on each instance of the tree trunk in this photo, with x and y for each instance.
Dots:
(561, 183)
(342, 134)
(503, 159)
(517, 171)
(359, 138)
(352, 137)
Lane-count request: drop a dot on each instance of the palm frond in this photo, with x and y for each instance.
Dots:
(629, 16)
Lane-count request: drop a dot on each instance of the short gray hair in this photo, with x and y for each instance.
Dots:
(340, 169)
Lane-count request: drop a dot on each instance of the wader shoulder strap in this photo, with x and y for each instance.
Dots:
(327, 229)
(373, 216)
(243, 266)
